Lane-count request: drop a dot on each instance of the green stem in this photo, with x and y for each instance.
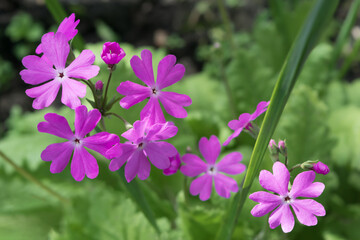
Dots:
(92, 88)
(31, 178)
(119, 117)
(107, 87)
(294, 167)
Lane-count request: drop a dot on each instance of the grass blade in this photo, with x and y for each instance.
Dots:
(307, 37)
(59, 13)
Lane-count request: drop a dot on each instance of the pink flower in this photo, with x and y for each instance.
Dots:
(56, 50)
(112, 53)
(145, 142)
(60, 153)
(321, 168)
(230, 164)
(306, 210)
(67, 27)
(175, 163)
(245, 121)
(168, 74)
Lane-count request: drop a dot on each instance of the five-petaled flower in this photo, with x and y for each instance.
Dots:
(83, 163)
(306, 210)
(168, 74)
(112, 53)
(145, 141)
(245, 121)
(230, 164)
(56, 49)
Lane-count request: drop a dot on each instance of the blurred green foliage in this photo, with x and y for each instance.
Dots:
(321, 121)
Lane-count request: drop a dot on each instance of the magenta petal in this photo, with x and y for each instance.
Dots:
(152, 110)
(121, 153)
(262, 209)
(210, 149)
(159, 153)
(143, 68)
(138, 131)
(282, 176)
(260, 109)
(56, 48)
(303, 185)
(282, 215)
(194, 165)
(83, 163)
(161, 131)
(71, 91)
(234, 125)
(174, 103)
(85, 121)
(224, 185)
(134, 93)
(82, 66)
(269, 182)
(168, 74)
(144, 169)
(38, 71)
(59, 154)
(56, 125)
(68, 27)
(230, 164)
(134, 164)
(265, 197)
(101, 142)
(202, 185)
(306, 211)
(232, 136)
(44, 95)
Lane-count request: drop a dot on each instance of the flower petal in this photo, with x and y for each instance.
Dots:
(101, 142)
(224, 185)
(282, 215)
(232, 136)
(174, 103)
(56, 125)
(262, 209)
(71, 92)
(306, 211)
(83, 163)
(82, 66)
(85, 121)
(303, 185)
(121, 153)
(161, 131)
(68, 26)
(38, 71)
(134, 93)
(152, 110)
(44, 95)
(134, 164)
(59, 154)
(159, 153)
(210, 149)
(194, 165)
(230, 164)
(143, 68)
(56, 48)
(278, 182)
(265, 197)
(202, 185)
(260, 109)
(168, 74)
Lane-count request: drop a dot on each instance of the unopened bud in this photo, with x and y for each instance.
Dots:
(282, 148)
(99, 85)
(321, 168)
(272, 147)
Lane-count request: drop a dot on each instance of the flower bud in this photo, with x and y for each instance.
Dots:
(320, 168)
(272, 147)
(282, 148)
(112, 53)
(99, 85)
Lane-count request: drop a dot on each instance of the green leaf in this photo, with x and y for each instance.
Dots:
(309, 34)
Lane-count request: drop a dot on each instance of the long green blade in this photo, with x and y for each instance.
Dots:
(59, 13)
(308, 36)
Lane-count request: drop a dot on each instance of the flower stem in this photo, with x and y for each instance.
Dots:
(294, 167)
(107, 87)
(92, 88)
(31, 178)
(127, 124)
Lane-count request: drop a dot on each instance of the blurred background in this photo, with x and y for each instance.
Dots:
(242, 43)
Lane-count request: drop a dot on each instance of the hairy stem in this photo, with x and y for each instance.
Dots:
(107, 87)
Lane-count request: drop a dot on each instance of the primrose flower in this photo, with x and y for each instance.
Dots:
(145, 142)
(83, 163)
(321, 168)
(212, 171)
(168, 74)
(56, 50)
(245, 121)
(175, 163)
(67, 27)
(305, 210)
(112, 53)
